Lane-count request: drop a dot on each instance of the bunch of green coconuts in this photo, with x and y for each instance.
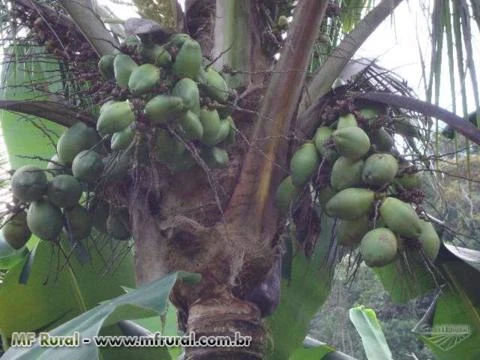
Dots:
(364, 177)
(166, 91)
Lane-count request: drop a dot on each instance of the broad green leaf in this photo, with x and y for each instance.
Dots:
(28, 135)
(315, 350)
(141, 302)
(406, 278)
(51, 295)
(301, 296)
(8, 255)
(461, 267)
(315, 353)
(367, 325)
(449, 329)
(167, 325)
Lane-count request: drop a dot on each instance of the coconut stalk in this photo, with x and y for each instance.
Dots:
(230, 49)
(91, 26)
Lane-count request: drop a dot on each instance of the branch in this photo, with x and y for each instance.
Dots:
(57, 112)
(333, 66)
(252, 200)
(462, 126)
(90, 25)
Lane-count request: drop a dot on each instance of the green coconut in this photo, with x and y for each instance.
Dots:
(64, 191)
(211, 126)
(123, 66)
(56, 166)
(409, 181)
(350, 232)
(429, 240)
(286, 195)
(115, 117)
(216, 86)
(379, 247)
(158, 55)
(347, 120)
(15, 230)
(401, 218)
(382, 140)
(188, 60)
(163, 108)
(29, 183)
(143, 79)
(191, 125)
(379, 169)
(346, 172)
(322, 135)
(187, 90)
(122, 139)
(45, 220)
(215, 157)
(105, 66)
(325, 195)
(351, 142)
(350, 203)
(77, 138)
(79, 222)
(303, 164)
(87, 166)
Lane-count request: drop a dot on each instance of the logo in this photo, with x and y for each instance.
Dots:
(445, 336)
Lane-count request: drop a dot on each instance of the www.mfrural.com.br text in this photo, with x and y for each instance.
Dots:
(44, 339)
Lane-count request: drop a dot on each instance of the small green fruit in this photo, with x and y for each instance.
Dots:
(401, 218)
(163, 108)
(192, 126)
(45, 220)
(382, 140)
(351, 142)
(87, 166)
(350, 203)
(322, 135)
(15, 230)
(123, 66)
(105, 66)
(379, 170)
(115, 117)
(379, 247)
(429, 240)
(187, 89)
(351, 232)
(347, 120)
(122, 139)
(211, 126)
(188, 60)
(77, 138)
(79, 222)
(29, 183)
(303, 164)
(143, 79)
(64, 191)
(286, 195)
(215, 157)
(216, 86)
(346, 172)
